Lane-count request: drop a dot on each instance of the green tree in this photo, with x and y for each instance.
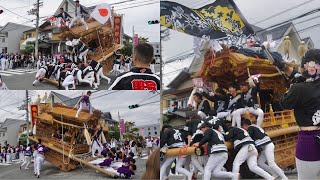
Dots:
(29, 48)
(127, 49)
(114, 132)
(23, 139)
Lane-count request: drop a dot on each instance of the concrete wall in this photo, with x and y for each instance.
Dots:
(14, 37)
(2, 138)
(152, 130)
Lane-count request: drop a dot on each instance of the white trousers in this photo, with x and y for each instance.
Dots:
(215, 165)
(83, 56)
(179, 167)
(96, 147)
(38, 64)
(152, 68)
(39, 162)
(76, 19)
(308, 169)
(27, 161)
(67, 81)
(163, 169)
(196, 164)
(88, 78)
(236, 115)
(249, 153)
(99, 75)
(3, 64)
(267, 155)
(40, 74)
(82, 106)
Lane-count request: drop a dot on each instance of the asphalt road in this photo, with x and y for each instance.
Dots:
(20, 79)
(49, 171)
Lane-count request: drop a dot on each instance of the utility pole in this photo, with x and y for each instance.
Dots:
(35, 11)
(132, 41)
(161, 91)
(27, 117)
(120, 128)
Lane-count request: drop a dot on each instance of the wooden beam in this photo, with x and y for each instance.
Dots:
(71, 156)
(271, 134)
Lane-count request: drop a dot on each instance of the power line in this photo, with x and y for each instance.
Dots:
(292, 19)
(137, 6)
(282, 12)
(14, 13)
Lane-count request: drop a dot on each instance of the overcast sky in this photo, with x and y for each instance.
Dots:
(114, 102)
(254, 11)
(137, 16)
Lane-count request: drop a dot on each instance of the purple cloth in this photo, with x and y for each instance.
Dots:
(125, 171)
(106, 162)
(85, 99)
(28, 151)
(308, 149)
(56, 135)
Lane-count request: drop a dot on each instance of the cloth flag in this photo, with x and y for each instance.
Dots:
(217, 20)
(102, 13)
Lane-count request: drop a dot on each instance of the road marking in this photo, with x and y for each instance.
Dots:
(11, 72)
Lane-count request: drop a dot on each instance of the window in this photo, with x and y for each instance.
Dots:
(0, 134)
(149, 129)
(3, 39)
(149, 133)
(155, 128)
(157, 51)
(157, 46)
(156, 133)
(29, 35)
(3, 134)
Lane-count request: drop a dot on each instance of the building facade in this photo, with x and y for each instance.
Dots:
(10, 36)
(9, 131)
(152, 130)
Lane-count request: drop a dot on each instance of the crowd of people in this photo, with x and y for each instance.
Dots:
(210, 128)
(13, 61)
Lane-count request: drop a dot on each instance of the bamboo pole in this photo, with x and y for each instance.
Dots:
(71, 156)
(271, 134)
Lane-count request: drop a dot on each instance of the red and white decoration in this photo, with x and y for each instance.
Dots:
(102, 13)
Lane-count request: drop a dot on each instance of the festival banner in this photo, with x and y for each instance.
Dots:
(219, 19)
(34, 112)
(122, 128)
(135, 40)
(117, 29)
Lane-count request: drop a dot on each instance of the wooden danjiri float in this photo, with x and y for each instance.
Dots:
(229, 67)
(73, 148)
(102, 39)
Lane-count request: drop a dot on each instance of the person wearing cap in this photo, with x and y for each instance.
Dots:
(249, 102)
(172, 139)
(79, 15)
(303, 97)
(244, 146)
(266, 147)
(202, 105)
(218, 152)
(139, 77)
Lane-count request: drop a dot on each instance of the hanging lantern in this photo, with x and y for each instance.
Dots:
(286, 45)
(302, 49)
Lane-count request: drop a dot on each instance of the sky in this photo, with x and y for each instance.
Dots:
(133, 16)
(106, 101)
(254, 11)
